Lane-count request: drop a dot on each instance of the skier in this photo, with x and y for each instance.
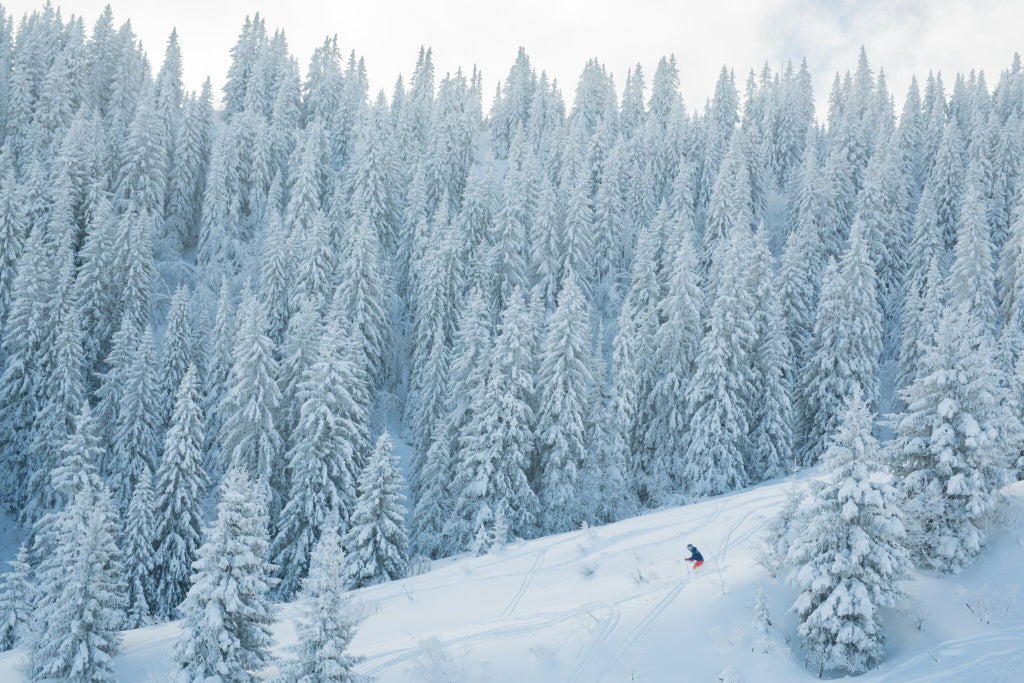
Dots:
(695, 556)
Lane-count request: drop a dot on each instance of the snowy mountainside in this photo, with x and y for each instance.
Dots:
(617, 603)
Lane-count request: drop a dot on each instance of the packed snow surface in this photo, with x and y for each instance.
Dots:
(618, 603)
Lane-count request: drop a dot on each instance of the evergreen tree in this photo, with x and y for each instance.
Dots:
(716, 452)
(323, 461)
(226, 632)
(562, 395)
(136, 440)
(954, 442)
(845, 349)
(15, 600)
(137, 542)
(80, 595)
(676, 345)
(971, 280)
(215, 382)
(849, 556)
(181, 483)
(178, 353)
(376, 540)
(496, 444)
(321, 653)
(249, 437)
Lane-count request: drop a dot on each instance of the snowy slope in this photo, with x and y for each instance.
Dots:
(617, 604)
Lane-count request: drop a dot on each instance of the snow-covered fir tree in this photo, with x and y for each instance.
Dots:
(15, 600)
(849, 558)
(845, 349)
(716, 452)
(322, 652)
(496, 445)
(137, 540)
(954, 443)
(78, 609)
(180, 486)
(376, 541)
(226, 631)
(323, 461)
(562, 395)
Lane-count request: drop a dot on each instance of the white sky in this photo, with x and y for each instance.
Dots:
(904, 37)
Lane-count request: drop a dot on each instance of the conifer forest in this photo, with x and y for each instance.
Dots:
(291, 339)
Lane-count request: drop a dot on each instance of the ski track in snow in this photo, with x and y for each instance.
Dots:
(643, 626)
(514, 602)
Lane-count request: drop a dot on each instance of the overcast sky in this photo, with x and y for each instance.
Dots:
(904, 37)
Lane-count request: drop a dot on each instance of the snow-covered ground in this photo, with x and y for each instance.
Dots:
(618, 604)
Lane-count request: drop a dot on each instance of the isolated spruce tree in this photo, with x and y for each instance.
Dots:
(226, 632)
(562, 395)
(321, 653)
(180, 486)
(849, 557)
(954, 442)
(376, 540)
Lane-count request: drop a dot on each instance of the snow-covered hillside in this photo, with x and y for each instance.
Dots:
(618, 604)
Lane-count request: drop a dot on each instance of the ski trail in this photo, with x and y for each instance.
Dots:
(590, 652)
(515, 627)
(514, 602)
(643, 626)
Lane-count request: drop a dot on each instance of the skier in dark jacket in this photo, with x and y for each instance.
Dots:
(695, 556)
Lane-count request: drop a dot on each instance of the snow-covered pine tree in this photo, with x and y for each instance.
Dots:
(676, 345)
(849, 556)
(180, 486)
(954, 442)
(716, 451)
(376, 539)
(177, 355)
(216, 373)
(13, 232)
(563, 382)
(946, 187)
(845, 350)
(249, 437)
(363, 292)
(226, 631)
(606, 492)
(323, 461)
(137, 542)
(321, 653)
(79, 594)
(136, 440)
(15, 600)
(496, 445)
(771, 429)
(971, 281)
